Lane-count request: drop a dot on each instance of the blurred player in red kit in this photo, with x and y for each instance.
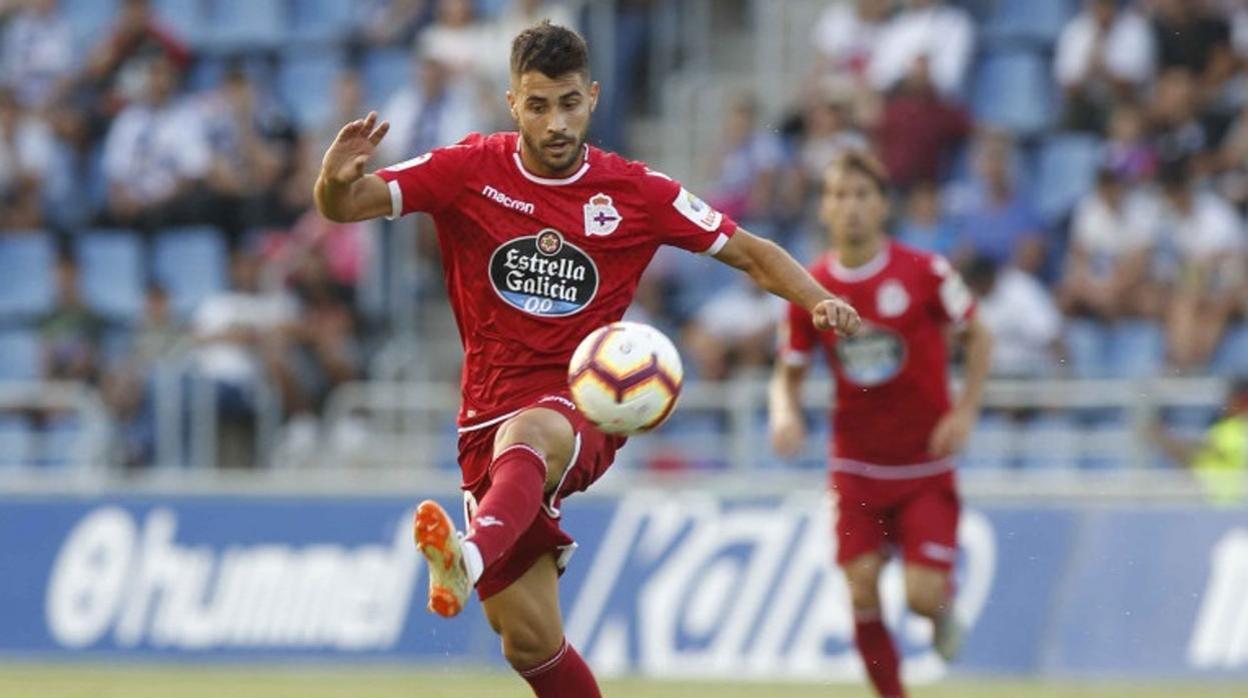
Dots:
(895, 428)
(543, 240)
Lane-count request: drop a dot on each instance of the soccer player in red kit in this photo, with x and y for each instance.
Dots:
(895, 429)
(543, 240)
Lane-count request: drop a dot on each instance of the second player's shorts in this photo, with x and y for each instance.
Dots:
(592, 454)
(917, 516)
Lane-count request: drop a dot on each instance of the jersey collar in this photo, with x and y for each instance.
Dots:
(551, 181)
(862, 273)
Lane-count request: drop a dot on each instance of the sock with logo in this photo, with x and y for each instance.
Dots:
(517, 478)
(565, 675)
(879, 655)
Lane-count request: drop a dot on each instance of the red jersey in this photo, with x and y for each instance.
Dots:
(891, 377)
(535, 264)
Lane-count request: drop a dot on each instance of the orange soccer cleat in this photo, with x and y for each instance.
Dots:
(449, 584)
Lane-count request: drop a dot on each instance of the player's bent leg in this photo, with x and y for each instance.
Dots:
(875, 645)
(929, 593)
(526, 616)
(530, 450)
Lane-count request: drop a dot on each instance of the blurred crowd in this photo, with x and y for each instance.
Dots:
(1101, 213)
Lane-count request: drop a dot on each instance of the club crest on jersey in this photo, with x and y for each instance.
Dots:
(697, 211)
(891, 300)
(601, 216)
(544, 275)
(873, 356)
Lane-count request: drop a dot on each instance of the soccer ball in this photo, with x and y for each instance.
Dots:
(625, 377)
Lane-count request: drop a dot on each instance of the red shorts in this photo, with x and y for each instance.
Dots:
(919, 516)
(591, 456)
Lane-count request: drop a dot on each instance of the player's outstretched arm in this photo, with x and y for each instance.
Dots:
(784, 408)
(343, 192)
(776, 271)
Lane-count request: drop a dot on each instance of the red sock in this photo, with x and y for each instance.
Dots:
(879, 656)
(517, 478)
(564, 675)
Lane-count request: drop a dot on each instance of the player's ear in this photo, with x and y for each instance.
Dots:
(511, 105)
(594, 88)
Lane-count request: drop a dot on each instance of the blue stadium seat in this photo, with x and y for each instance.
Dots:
(1137, 349)
(1013, 90)
(19, 355)
(89, 20)
(247, 23)
(1231, 358)
(187, 18)
(111, 264)
(301, 69)
(1086, 343)
(321, 20)
(384, 71)
(1048, 442)
(1036, 20)
(1066, 170)
(60, 443)
(191, 263)
(26, 285)
(993, 434)
(15, 440)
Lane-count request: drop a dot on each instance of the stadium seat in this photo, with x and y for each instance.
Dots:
(300, 69)
(1013, 90)
(187, 18)
(59, 443)
(1048, 441)
(1030, 20)
(384, 71)
(993, 436)
(15, 440)
(1110, 443)
(320, 20)
(26, 283)
(246, 23)
(1066, 170)
(191, 263)
(111, 264)
(1136, 350)
(19, 355)
(89, 20)
(1231, 358)
(1086, 342)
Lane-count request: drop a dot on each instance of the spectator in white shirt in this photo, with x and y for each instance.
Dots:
(431, 111)
(748, 164)
(517, 16)
(38, 53)
(1112, 234)
(1102, 54)
(458, 40)
(846, 34)
(933, 29)
(1023, 318)
(1201, 258)
(155, 154)
(26, 154)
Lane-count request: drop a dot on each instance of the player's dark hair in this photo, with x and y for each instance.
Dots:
(550, 49)
(865, 164)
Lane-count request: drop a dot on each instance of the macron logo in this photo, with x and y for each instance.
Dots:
(500, 198)
(487, 521)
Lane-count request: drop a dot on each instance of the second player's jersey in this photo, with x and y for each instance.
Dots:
(891, 377)
(534, 264)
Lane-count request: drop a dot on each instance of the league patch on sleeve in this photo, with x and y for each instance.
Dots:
(697, 211)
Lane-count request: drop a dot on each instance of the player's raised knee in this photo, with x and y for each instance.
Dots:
(526, 646)
(927, 600)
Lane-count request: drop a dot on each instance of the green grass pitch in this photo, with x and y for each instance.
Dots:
(66, 681)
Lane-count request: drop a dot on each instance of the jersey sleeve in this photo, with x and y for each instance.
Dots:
(951, 300)
(683, 220)
(797, 336)
(428, 182)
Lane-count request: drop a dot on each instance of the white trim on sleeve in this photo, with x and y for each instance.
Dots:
(396, 200)
(716, 246)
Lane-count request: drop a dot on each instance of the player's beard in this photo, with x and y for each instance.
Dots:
(561, 165)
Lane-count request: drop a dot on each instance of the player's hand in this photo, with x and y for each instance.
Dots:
(951, 433)
(836, 314)
(788, 435)
(344, 161)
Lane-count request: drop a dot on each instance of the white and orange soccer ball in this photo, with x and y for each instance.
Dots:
(625, 377)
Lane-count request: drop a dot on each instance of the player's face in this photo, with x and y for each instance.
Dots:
(853, 207)
(553, 116)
